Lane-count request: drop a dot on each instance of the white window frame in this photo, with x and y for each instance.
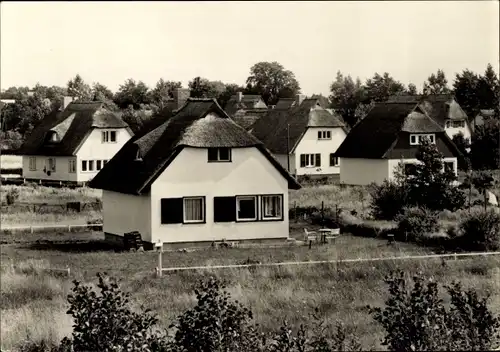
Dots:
(51, 164)
(184, 212)
(416, 139)
(324, 135)
(32, 163)
(279, 198)
(336, 161)
(238, 198)
(90, 165)
(461, 122)
(218, 159)
(310, 160)
(106, 136)
(72, 166)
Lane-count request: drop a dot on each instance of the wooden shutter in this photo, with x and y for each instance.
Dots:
(302, 160)
(318, 160)
(224, 209)
(332, 159)
(171, 211)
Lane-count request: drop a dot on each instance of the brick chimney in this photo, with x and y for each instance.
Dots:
(239, 97)
(299, 98)
(66, 101)
(181, 95)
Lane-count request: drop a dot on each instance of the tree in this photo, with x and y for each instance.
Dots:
(463, 145)
(101, 93)
(230, 90)
(163, 92)
(465, 89)
(379, 88)
(436, 84)
(132, 93)
(483, 182)
(79, 89)
(489, 90)
(272, 81)
(412, 89)
(485, 148)
(15, 93)
(204, 88)
(24, 114)
(346, 96)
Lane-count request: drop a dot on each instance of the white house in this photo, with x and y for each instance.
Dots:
(303, 138)
(71, 146)
(199, 177)
(444, 109)
(388, 135)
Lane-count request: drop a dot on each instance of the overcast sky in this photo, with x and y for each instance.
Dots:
(110, 42)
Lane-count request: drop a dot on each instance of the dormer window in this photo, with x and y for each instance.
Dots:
(417, 139)
(219, 154)
(52, 137)
(108, 136)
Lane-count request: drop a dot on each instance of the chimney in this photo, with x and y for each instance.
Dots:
(181, 96)
(239, 97)
(66, 101)
(299, 98)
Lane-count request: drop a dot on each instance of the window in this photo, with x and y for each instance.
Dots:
(416, 139)
(219, 154)
(449, 166)
(98, 165)
(246, 208)
(108, 136)
(32, 163)
(194, 209)
(448, 124)
(324, 134)
(84, 165)
(458, 124)
(410, 169)
(334, 161)
(52, 164)
(272, 207)
(91, 165)
(310, 160)
(72, 166)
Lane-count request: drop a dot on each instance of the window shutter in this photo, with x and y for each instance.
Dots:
(332, 160)
(318, 160)
(171, 211)
(224, 209)
(302, 160)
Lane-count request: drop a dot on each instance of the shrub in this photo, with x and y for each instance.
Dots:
(388, 199)
(415, 319)
(414, 223)
(12, 196)
(105, 322)
(481, 231)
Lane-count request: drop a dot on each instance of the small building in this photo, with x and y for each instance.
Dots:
(390, 133)
(198, 177)
(241, 101)
(303, 138)
(444, 109)
(72, 145)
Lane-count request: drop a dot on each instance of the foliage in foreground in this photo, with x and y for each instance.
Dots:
(416, 222)
(413, 319)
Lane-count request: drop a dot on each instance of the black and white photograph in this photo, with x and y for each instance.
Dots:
(249, 176)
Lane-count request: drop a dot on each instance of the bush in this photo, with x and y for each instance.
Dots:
(415, 223)
(481, 231)
(12, 196)
(415, 319)
(388, 200)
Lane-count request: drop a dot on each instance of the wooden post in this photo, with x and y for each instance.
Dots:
(322, 213)
(69, 228)
(159, 245)
(31, 229)
(295, 210)
(310, 244)
(68, 271)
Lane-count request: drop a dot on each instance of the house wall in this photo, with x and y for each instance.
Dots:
(249, 173)
(94, 149)
(62, 168)
(124, 213)
(450, 131)
(393, 163)
(309, 144)
(363, 171)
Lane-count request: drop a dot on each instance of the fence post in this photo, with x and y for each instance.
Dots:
(323, 213)
(68, 271)
(159, 246)
(69, 228)
(31, 229)
(295, 210)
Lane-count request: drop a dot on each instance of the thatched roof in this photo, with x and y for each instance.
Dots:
(375, 135)
(248, 101)
(72, 125)
(279, 126)
(246, 118)
(200, 123)
(284, 104)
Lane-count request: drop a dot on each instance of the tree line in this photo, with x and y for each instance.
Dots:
(350, 97)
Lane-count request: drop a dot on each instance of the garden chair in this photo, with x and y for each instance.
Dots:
(310, 235)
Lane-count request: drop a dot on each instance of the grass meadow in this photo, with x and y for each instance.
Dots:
(33, 300)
